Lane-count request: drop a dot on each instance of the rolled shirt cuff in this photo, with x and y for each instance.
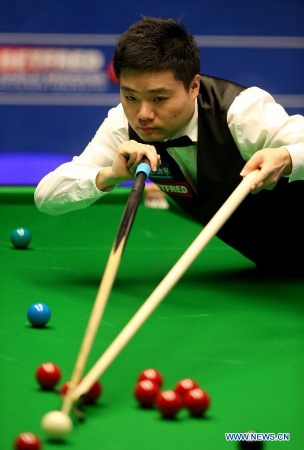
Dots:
(296, 152)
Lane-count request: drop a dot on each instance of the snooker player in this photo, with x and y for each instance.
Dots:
(201, 134)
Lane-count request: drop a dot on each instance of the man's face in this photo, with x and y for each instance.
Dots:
(157, 105)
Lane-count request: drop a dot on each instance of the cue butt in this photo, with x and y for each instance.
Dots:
(107, 281)
(93, 324)
(209, 231)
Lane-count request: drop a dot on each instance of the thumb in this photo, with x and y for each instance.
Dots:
(255, 162)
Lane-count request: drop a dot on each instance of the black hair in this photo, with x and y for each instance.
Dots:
(154, 45)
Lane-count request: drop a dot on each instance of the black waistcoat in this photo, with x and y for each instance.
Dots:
(267, 226)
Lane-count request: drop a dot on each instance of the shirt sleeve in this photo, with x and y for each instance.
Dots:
(72, 185)
(256, 121)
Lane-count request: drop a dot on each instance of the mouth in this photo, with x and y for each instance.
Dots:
(147, 129)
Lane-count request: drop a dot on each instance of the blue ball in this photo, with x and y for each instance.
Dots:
(21, 237)
(39, 314)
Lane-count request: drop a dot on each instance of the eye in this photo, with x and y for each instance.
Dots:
(130, 98)
(160, 99)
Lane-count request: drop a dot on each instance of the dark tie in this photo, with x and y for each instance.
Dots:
(183, 141)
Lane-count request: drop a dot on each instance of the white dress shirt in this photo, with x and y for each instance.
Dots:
(255, 121)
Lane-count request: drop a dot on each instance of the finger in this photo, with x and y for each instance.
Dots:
(131, 158)
(255, 162)
(135, 151)
(258, 185)
(136, 154)
(152, 156)
(256, 188)
(261, 179)
(158, 161)
(266, 179)
(137, 160)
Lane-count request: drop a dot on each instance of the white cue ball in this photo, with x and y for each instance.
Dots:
(56, 425)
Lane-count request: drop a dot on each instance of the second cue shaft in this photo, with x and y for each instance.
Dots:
(166, 284)
(106, 282)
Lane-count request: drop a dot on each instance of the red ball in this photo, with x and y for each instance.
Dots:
(90, 397)
(152, 375)
(27, 441)
(48, 375)
(64, 388)
(184, 386)
(197, 402)
(169, 403)
(93, 394)
(146, 392)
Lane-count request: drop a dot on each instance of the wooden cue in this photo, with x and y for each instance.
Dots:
(106, 282)
(166, 284)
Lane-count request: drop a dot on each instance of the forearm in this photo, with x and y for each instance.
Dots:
(68, 188)
(81, 182)
(266, 135)
(105, 163)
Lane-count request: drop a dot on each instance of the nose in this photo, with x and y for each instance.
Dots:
(145, 112)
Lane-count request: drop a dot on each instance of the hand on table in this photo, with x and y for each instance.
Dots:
(273, 163)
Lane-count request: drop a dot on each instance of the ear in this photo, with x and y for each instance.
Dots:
(194, 87)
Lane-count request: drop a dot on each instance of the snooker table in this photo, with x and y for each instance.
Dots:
(238, 333)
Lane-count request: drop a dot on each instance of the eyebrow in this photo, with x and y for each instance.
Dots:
(160, 89)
